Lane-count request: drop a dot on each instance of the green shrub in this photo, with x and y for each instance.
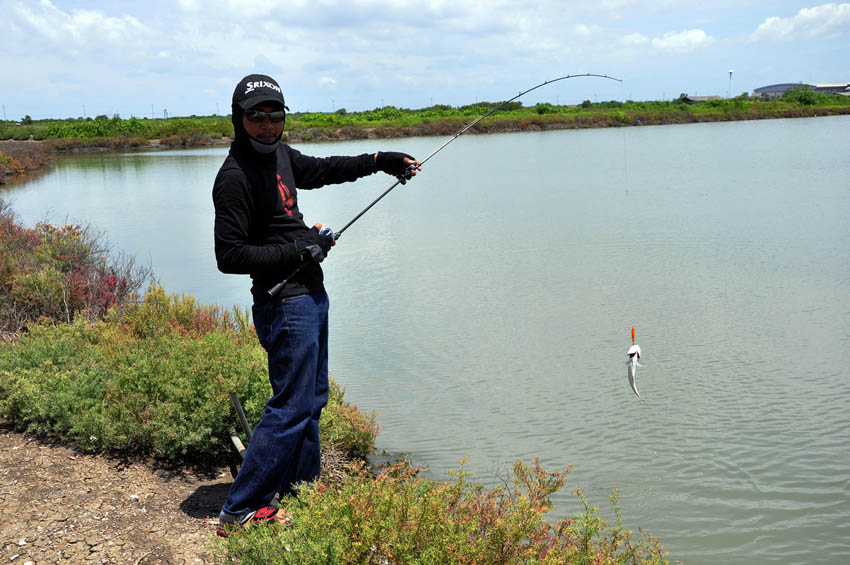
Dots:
(803, 95)
(153, 378)
(346, 427)
(398, 518)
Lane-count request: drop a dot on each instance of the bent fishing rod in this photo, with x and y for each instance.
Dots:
(402, 179)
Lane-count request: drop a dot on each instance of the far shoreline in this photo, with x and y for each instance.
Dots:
(20, 160)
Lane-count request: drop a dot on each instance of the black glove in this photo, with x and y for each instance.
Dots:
(392, 163)
(323, 238)
(315, 245)
(309, 250)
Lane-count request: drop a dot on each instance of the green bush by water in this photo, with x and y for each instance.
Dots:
(398, 517)
(152, 378)
(148, 375)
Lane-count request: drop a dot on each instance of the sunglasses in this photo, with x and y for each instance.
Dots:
(259, 116)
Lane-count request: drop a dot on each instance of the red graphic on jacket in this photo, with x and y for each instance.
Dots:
(285, 197)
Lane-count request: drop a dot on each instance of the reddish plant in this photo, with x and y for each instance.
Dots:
(59, 273)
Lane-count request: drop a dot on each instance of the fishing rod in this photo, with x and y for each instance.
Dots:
(466, 128)
(402, 179)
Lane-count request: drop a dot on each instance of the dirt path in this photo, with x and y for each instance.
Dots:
(57, 505)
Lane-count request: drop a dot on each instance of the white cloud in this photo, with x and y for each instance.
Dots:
(683, 41)
(81, 28)
(634, 40)
(586, 32)
(189, 5)
(775, 28)
(360, 52)
(826, 20)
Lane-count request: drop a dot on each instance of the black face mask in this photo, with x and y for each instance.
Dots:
(245, 141)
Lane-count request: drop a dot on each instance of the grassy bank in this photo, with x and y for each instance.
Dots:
(117, 133)
(19, 158)
(90, 361)
(19, 154)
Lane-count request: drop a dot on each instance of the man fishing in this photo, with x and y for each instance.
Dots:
(260, 231)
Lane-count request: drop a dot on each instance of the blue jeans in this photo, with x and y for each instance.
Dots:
(284, 449)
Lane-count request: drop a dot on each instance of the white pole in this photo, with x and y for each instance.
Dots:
(730, 83)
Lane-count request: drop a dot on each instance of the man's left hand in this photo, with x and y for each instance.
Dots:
(400, 165)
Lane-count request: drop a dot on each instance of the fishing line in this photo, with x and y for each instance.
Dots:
(402, 179)
(625, 152)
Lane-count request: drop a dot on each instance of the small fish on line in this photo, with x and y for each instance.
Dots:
(633, 362)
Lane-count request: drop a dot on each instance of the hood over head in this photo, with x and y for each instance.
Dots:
(251, 91)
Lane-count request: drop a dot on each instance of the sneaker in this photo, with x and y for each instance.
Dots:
(230, 523)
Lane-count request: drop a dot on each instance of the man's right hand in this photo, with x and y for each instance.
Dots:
(315, 246)
(309, 250)
(324, 237)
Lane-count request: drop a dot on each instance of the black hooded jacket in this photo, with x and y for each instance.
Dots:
(257, 220)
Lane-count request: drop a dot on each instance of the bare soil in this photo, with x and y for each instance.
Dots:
(58, 505)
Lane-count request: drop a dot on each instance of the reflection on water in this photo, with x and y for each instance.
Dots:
(485, 308)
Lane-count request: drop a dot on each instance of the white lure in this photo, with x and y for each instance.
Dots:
(633, 362)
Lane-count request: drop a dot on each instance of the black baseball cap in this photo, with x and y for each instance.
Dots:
(257, 89)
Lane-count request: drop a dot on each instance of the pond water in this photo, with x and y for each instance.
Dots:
(485, 309)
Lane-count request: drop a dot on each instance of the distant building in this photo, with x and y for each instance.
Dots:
(777, 90)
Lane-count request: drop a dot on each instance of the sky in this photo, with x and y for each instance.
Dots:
(83, 58)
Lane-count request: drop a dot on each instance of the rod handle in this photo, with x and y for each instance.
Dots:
(243, 421)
